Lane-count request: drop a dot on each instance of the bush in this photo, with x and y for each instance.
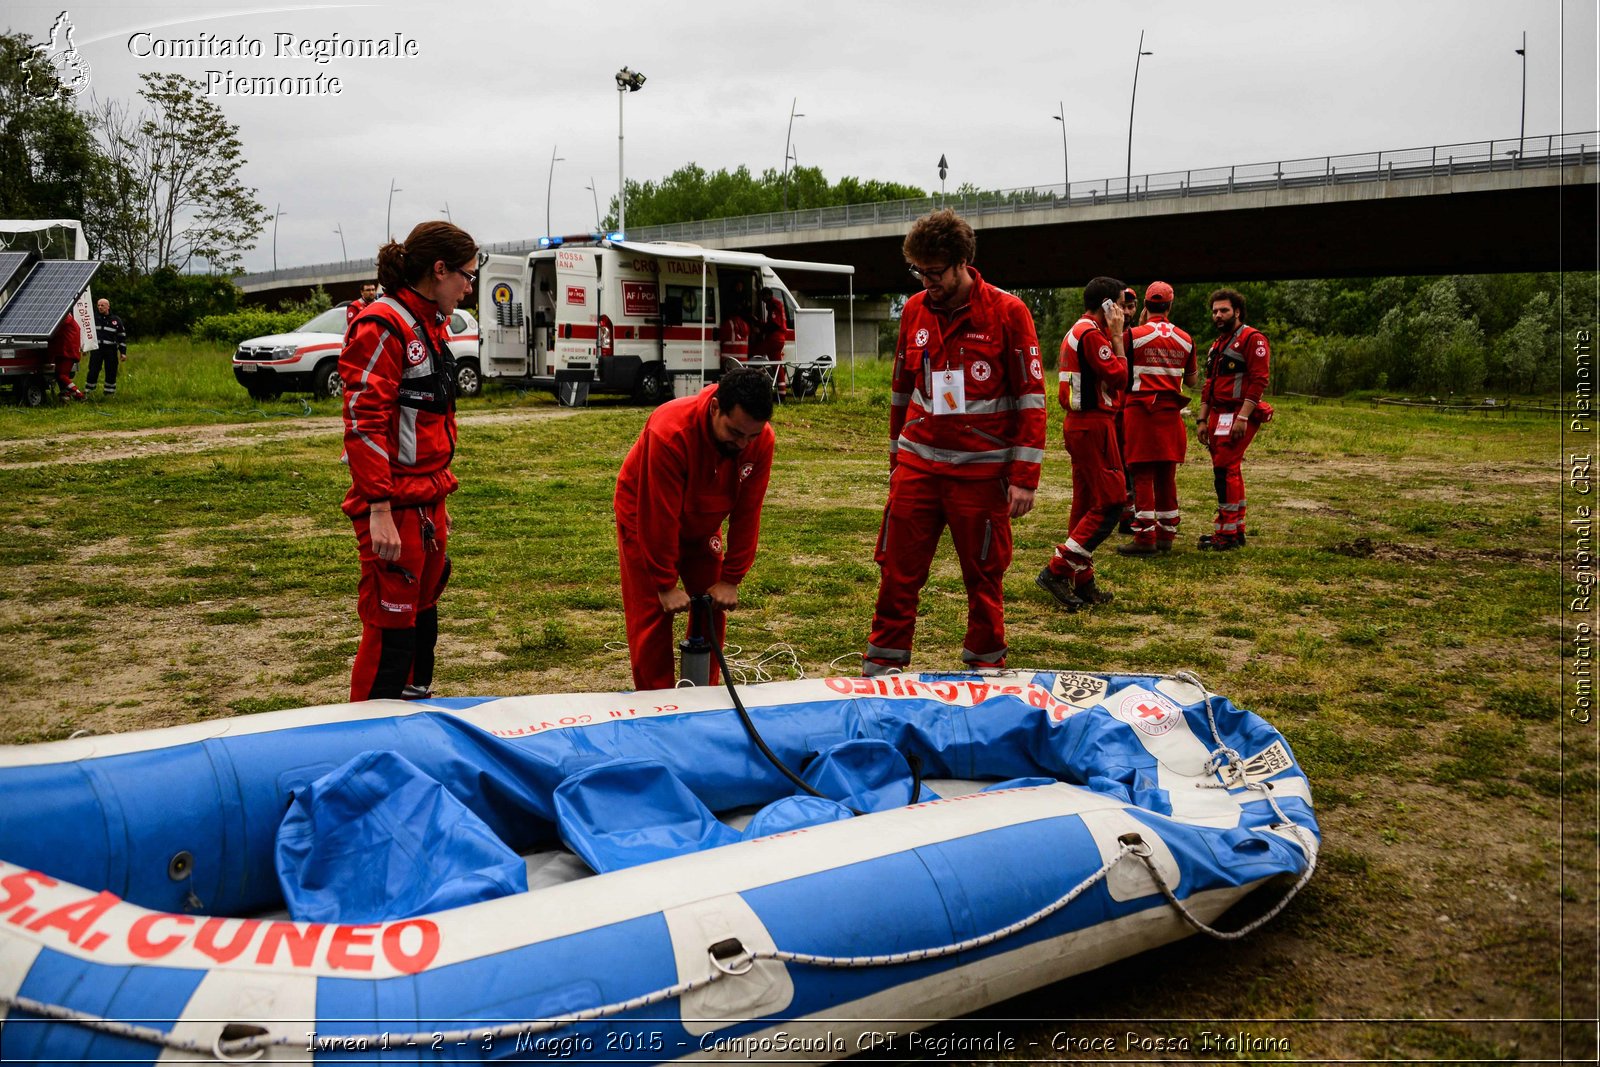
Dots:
(239, 326)
(164, 302)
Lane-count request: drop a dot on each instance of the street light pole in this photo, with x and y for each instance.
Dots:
(1127, 182)
(388, 215)
(793, 114)
(1066, 167)
(548, 184)
(628, 81)
(276, 214)
(1522, 127)
(596, 197)
(447, 215)
(344, 252)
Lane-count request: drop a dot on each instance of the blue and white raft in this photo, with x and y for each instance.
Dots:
(334, 882)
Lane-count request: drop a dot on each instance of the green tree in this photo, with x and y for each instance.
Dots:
(1528, 353)
(692, 193)
(175, 168)
(49, 167)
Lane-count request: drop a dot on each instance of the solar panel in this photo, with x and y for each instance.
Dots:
(38, 306)
(11, 264)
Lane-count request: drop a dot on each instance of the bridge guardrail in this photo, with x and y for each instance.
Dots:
(1471, 157)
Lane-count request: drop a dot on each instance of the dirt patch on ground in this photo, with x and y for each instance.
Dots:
(102, 447)
(1367, 548)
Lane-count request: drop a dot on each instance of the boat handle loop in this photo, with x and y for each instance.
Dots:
(729, 957)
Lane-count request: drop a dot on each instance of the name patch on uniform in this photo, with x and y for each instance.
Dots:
(975, 337)
(415, 352)
(949, 392)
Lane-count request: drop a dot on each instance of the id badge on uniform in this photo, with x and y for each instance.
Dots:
(950, 392)
(1224, 425)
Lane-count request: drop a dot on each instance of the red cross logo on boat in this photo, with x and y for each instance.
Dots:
(1147, 711)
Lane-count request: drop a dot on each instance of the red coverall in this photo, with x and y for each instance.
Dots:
(354, 308)
(773, 331)
(735, 337)
(1236, 370)
(1152, 418)
(66, 348)
(673, 493)
(399, 437)
(953, 467)
(1092, 381)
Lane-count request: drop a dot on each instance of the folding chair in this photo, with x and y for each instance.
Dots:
(814, 379)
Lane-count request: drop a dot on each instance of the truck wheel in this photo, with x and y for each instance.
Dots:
(325, 380)
(651, 388)
(31, 393)
(468, 381)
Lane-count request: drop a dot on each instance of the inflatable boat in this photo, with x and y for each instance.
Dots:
(641, 876)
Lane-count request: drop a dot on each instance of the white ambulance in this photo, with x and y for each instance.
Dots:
(643, 319)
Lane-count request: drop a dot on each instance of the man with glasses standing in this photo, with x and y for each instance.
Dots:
(966, 437)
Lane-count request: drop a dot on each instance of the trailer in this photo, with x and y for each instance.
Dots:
(646, 319)
(44, 275)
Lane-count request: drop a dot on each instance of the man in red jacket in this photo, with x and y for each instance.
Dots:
(1154, 436)
(369, 293)
(698, 461)
(66, 348)
(1231, 410)
(966, 437)
(1094, 373)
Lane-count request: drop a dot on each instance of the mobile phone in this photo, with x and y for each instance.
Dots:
(1107, 304)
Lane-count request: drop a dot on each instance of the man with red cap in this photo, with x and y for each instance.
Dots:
(698, 461)
(1163, 362)
(1231, 410)
(1094, 373)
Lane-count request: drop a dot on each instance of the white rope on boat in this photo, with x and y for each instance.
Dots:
(250, 1048)
(1223, 756)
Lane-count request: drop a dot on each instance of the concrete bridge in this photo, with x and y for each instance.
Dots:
(1482, 207)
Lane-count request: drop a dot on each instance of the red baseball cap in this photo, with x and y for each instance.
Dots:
(1160, 292)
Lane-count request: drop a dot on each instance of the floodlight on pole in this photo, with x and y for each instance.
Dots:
(388, 215)
(1127, 183)
(793, 114)
(548, 183)
(344, 253)
(1066, 167)
(445, 211)
(1522, 127)
(276, 214)
(598, 225)
(628, 81)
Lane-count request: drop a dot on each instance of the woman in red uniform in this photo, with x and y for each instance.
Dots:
(400, 437)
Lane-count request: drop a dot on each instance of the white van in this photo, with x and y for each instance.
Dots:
(642, 319)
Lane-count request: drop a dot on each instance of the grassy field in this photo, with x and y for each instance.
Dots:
(177, 554)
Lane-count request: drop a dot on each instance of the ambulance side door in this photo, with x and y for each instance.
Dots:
(577, 298)
(502, 328)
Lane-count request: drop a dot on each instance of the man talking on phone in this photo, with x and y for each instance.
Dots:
(1094, 373)
(1231, 410)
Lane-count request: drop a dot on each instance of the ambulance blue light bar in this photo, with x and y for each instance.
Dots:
(551, 242)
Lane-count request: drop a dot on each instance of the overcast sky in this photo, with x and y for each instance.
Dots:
(884, 87)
